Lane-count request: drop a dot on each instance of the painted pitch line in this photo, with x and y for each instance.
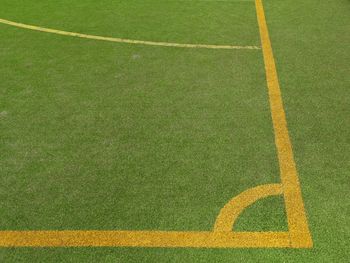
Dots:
(161, 239)
(234, 208)
(123, 40)
(221, 236)
(297, 221)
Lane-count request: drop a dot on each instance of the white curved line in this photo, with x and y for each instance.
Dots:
(123, 40)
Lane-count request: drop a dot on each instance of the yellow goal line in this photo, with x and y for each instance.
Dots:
(123, 40)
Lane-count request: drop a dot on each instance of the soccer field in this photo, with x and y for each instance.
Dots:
(174, 131)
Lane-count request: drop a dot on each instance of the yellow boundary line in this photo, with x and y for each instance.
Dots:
(123, 40)
(222, 235)
(205, 239)
(297, 222)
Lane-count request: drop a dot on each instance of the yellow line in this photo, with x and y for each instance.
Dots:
(230, 212)
(123, 40)
(221, 237)
(142, 239)
(297, 221)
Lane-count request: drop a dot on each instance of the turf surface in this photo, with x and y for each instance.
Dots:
(111, 136)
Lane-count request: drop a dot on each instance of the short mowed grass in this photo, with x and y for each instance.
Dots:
(107, 136)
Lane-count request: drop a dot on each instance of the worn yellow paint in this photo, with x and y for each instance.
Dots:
(223, 235)
(142, 239)
(123, 40)
(231, 211)
(297, 221)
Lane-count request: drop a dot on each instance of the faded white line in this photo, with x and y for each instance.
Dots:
(123, 40)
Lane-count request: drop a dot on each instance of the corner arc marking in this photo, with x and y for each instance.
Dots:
(231, 211)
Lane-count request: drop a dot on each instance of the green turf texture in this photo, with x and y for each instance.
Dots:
(98, 135)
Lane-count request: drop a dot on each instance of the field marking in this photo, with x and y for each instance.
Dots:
(297, 221)
(123, 40)
(204, 239)
(298, 235)
(231, 211)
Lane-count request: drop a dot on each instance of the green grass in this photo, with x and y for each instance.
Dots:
(98, 135)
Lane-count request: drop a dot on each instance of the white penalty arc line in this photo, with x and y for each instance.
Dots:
(123, 40)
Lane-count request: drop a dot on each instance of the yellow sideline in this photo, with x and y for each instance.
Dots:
(297, 221)
(205, 239)
(123, 40)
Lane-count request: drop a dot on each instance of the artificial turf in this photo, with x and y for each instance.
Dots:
(98, 135)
